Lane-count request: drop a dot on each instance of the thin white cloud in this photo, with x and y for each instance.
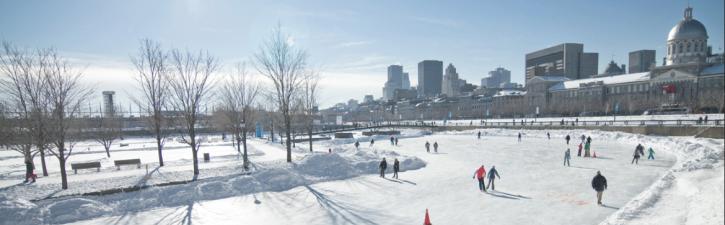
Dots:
(353, 44)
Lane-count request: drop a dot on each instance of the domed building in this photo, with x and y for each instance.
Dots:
(687, 41)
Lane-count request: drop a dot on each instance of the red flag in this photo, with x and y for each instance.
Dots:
(427, 219)
(669, 88)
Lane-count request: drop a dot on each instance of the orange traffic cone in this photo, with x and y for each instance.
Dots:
(427, 219)
(594, 154)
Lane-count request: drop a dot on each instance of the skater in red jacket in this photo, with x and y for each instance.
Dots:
(480, 173)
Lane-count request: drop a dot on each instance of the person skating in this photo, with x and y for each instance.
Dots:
(396, 168)
(383, 166)
(584, 137)
(651, 154)
(479, 174)
(29, 174)
(567, 139)
(372, 142)
(392, 140)
(579, 152)
(357, 144)
(586, 149)
(599, 183)
(567, 156)
(435, 147)
(548, 136)
(427, 147)
(479, 135)
(589, 139)
(492, 174)
(519, 136)
(396, 141)
(635, 158)
(640, 148)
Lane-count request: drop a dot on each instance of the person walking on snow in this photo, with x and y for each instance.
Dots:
(640, 148)
(479, 174)
(357, 144)
(599, 183)
(29, 167)
(636, 156)
(396, 168)
(427, 147)
(435, 147)
(567, 156)
(651, 154)
(392, 140)
(567, 139)
(579, 152)
(519, 136)
(479, 135)
(492, 174)
(548, 136)
(383, 166)
(372, 142)
(589, 139)
(586, 149)
(396, 141)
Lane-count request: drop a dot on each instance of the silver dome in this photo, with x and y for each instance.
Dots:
(688, 28)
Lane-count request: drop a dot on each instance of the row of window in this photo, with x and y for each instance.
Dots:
(687, 47)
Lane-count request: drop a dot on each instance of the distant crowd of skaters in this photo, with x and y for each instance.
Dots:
(599, 182)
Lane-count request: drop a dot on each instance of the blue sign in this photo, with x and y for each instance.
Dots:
(259, 130)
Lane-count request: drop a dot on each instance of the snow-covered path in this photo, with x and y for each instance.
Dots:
(535, 189)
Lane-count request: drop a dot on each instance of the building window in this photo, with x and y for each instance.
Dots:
(679, 48)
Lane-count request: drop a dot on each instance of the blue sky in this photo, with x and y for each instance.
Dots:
(351, 42)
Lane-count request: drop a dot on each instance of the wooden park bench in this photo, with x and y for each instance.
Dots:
(122, 162)
(87, 165)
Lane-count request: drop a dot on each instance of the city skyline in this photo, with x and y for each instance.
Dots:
(357, 51)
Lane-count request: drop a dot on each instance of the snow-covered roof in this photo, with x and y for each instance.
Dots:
(715, 69)
(618, 79)
(509, 93)
(551, 78)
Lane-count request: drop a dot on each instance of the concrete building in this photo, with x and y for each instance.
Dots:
(496, 78)
(430, 77)
(641, 61)
(451, 85)
(395, 81)
(406, 81)
(109, 107)
(368, 99)
(568, 59)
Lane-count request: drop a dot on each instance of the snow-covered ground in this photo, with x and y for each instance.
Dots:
(684, 185)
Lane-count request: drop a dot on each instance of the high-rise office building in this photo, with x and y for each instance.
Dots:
(568, 59)
(430, 77)
(496, 78)
(406, 81)
(451, 85)
(641, 61)
(395, 81)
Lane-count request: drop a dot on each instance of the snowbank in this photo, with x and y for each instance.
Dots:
(273, 176)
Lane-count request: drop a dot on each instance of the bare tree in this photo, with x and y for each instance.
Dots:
(284, 65)
(65, 94)
(238, 95)
(107, 130)
(308, 103)
(23, 86)
(190, 84)
(153, 81)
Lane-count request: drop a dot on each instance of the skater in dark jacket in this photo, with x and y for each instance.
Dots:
(372, 142)
(479, 174)
(396, 141)
(589, 139)
(427, 147)
(383, 166)
(479, 135)
(635, 157)
(396, 168)
(435, 147)
(492, 174)
(392, 140)
(519, 136)
(548, 135)
(567, 139)
(357, 144)
(599, 183)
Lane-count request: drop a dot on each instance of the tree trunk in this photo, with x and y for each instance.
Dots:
(158, 146)
(63, 178)
(309, 135)
(244, 156)
(108, 150)
(194, 156)
(288, 126)
(42, 162)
